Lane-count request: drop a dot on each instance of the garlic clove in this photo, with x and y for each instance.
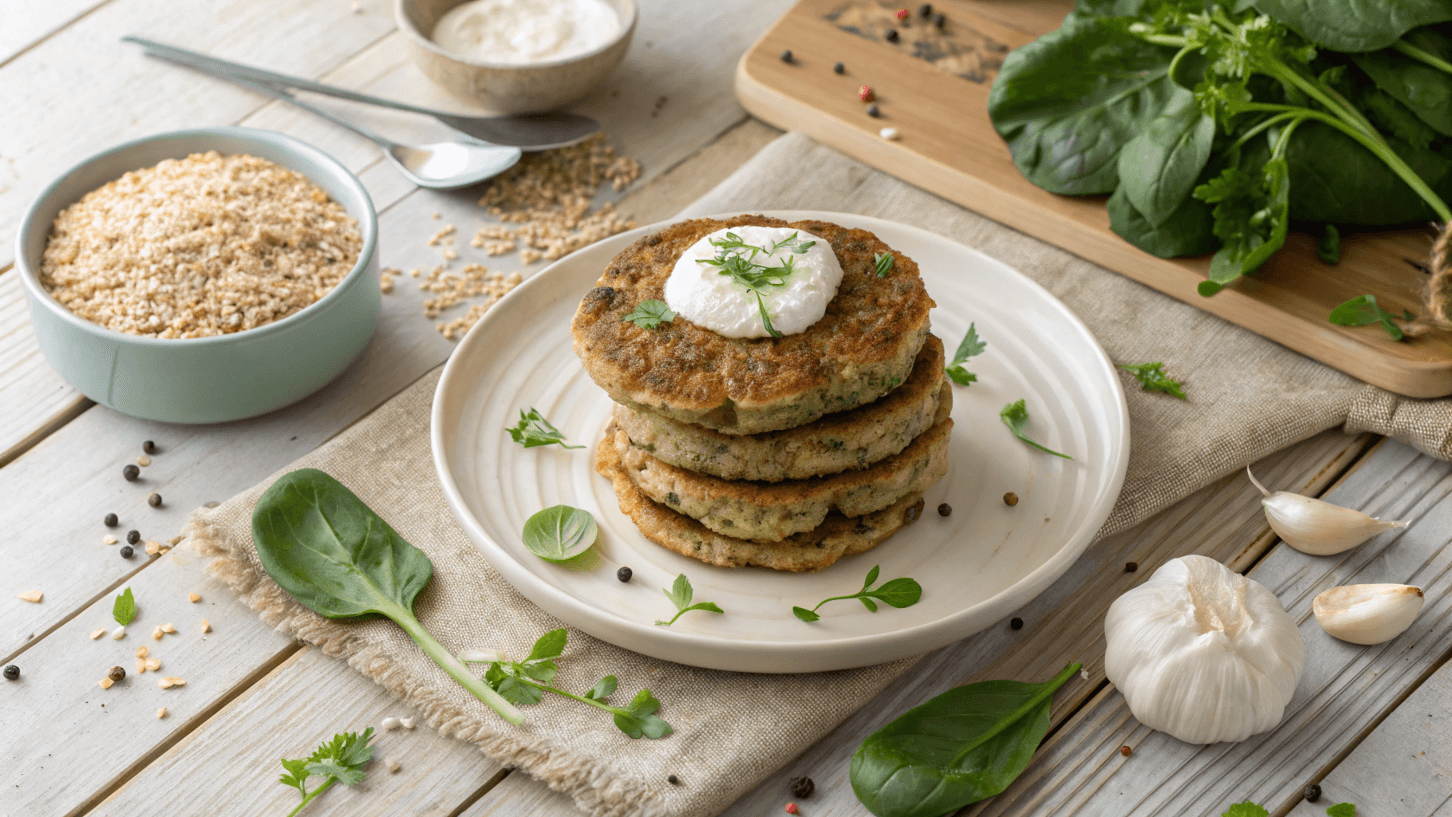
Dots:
(1367, 613)
(1315, 526)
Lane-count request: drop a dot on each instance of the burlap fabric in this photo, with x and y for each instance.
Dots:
(1248, 398)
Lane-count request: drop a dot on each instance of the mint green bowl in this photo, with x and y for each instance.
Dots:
(212, 379)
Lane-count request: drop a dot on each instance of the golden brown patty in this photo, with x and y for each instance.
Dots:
(860, 350)
(838, 442)
(836, 537)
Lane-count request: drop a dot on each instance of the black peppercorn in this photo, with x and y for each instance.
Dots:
(111, 520)
(873, 111)
(1130, 567)
(839, 68)
(1016, 623)
(130, 472)
(624, 574)
(891, 35)
(1126, 751)
(945, 509)
(939, 19)
(133, 536)
(127, 552)
(116, 674)
(925, 10)
(673, 780)
(12, 673)
(786, 56)
(154, 500)
(1312, 793)
(1010, 498)
(149, 447)
(802, 787)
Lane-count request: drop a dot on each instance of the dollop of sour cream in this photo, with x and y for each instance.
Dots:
(701, 294)
(524, 31)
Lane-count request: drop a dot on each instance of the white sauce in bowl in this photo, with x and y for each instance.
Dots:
(524, 31)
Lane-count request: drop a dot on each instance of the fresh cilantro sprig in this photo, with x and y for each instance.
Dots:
(1362, 310)
(1015, 416)
(124, 610)
(884, 262)
(340, 760)
(896, 593)
(523, 683)
(1153, 378)
(680, 595)
(650, 314)
(970, 347)
(534, 430)
(736, 258)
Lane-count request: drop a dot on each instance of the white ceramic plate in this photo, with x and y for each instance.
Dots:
(976, 566)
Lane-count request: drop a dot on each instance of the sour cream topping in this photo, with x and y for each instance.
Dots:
(701, 294)
(524, 31)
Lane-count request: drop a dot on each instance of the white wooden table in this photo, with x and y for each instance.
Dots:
(1370, 724)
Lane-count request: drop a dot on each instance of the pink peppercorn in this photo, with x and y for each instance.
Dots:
(902, 14)
(865, 94)
(791, 808)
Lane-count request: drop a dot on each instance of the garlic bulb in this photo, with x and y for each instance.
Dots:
(1317, 527)
(1367, 613)
(1203, 653)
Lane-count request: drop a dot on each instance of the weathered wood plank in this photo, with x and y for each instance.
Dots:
(34, 400)
(1344, 688)
(28, 22)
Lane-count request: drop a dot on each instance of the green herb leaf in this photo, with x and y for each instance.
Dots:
(1246, 809)
(1158, 168)
(680, 595)
(602, 689)
(805, 615)
(970, 346)
(640, 718)
(896, 593)
(736, 258)
(124, 610)
(962, 746)
(338, 558)
(340, 760)
(1362, 310)
(1342, 810)
(883, 261)
(297, 774)
(550, 645)
(534, 430)
(1015, 416)
(560, 533)
(1153, 378)
(650, 314)
(1328, 249)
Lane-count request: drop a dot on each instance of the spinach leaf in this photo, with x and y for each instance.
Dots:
(1188, 231)
(1069, 101)
(338, 558)
(1159, 167)
(1422, 88)
(1362, 310)
(962, 746)
(1335, 179)
(1355, 25)
(560, 533)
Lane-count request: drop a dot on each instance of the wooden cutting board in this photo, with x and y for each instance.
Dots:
(932, 86)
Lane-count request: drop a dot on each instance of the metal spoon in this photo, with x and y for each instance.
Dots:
(535, 131)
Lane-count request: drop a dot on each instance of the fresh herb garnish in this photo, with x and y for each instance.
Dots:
(560, 533)
(736, 258)
(1015, 415)
(1153, 378)
(680, 595)
(962, 746)
(522, 682)
(1362, 310)
(650, 314)
(340, 760)
(883, 262)
(338, 558)
(896, 593)
(970, 347)
(1342, 810)
(1246, 809)
(124, 610)
(534, 430)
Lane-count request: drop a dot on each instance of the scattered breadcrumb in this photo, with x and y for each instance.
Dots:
(153, 664)
(167, 682)
(97, 633)
(206, 626)
(143, 460)
(168, 628)
(194, 597)
(32, 596)
(109, 539)
(385, 280)
(450, 255)
(161, 713)
(157, 634)
(106, 682)
(439, 236)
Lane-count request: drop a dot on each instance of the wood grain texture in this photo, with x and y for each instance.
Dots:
(28, 22)
(949, 147)
(34, 400)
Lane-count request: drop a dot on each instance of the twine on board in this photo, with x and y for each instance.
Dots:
(1437, 296)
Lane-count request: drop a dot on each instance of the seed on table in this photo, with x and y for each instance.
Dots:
(786, 56)
(1016, 623)
(1130, 567)
(141, 651)
(945, 509)
(116, 674)
(149, 447)
(673, 780)
(902, 14)
(161, 713)
(891, 35)
(143, 460)
(153, 664)
(389, 724)
(194, 597)
(406, 723)
(154, 500)
(157, 634)
(140, 667)
(127, 552)
(118, 633)
(393, 765)
(32, 596)
(111, 520)
(153, 547)
(130, 472)
(167, 628)
(839, 68)
(97, 633)
(1312, 793)
(925, 10)
(791, 808)
(168, 682)
(1125, 750)
(873, 111)
(624, 574)
(206, 626)
(1010, 498)
(107, 683)
(12, 673)
(133, 536)
(109, 539)
(865, 94)
(802, 787)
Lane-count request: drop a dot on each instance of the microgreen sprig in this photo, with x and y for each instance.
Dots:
(680, 595)
(340, 760)
(534, 430)
(650, 314)
(884, 262)
(1015, 416)
(736, 258)
(896, 593)
(124, 610)
(970, 347)
(1153, 378)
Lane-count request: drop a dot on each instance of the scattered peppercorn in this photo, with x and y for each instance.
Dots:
(786, 56)
(673, 780)
(945, 509)
(154, 500)
(891, 35)
(133, 536)
(873, 111)
(1130, 567)
(839, 68)
(111, 520)
(149, 447)
(791, 808)
(1312, 793)
(1125, 750)
(802, 787)
(624, 574)
(1016, 623)
(130, 472)
(127, 552)
(865, 94)
(1010, 498)
(116, 674)
(925, 10)
(902, 14)
(12, 673)
(939, 19)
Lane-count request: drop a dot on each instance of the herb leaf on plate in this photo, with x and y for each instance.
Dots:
(340, 760)
(1015, 416)
(560, 533)
(1362, 310)
(124, 609)
(650, 314)
(962, 746)
(338, 558)
(533, 430)
(897, 593)
(1153, 378)
(970, 347)
(680, 595)
(737, 259)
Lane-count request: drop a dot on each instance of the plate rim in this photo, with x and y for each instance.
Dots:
(877, 647)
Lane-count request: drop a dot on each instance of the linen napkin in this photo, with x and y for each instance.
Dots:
(1248, 397)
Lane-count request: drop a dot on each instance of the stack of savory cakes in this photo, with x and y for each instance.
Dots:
(784, 452)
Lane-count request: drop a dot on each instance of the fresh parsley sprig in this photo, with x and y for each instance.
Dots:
(1015, 416)
(1153, 378)
(523, 683)
(884, 262)
(340, 760)
(534, 430)
(896, 593)
(124, 610)
(680, 595)
(650, 314)
(736, 258)
(970, 347)
(1362, 310)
